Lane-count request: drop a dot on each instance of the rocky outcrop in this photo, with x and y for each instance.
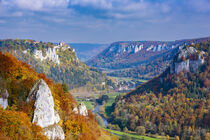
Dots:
(138, 48)
(188, 59)
(54, 132)
(50, 54)
(75, 110)
(3, 94)
(82, 109)
(3, 98)
(44, 114)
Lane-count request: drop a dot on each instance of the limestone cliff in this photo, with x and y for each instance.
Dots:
(188, 59)
(50, 54)
(44, 114)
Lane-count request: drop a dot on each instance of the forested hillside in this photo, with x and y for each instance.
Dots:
(58, 61)
(17, 79)
(176, 103)
(188, 74)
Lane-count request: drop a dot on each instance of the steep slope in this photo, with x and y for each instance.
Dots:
(57, 61)
(37, 107)
(176, 103)
(139, 59)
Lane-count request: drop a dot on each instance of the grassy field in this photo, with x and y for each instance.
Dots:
(122, 135)
(90, 104)
(111, 100)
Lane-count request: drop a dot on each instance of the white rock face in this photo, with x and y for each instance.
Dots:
(138, 48)
(186, 52)
(44, 113)
(50, 54)
(3, 98)
(150, 48)
(55, 132)
(188, 64)
(82, 109)
(184, 65)
(75, 110)
(160, 47)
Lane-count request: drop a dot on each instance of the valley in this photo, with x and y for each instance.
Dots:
(117, 108)
(103, 116)
(105, 70)
(124, 107)
(139, 59)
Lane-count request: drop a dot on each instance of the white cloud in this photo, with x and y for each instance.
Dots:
(36, 5)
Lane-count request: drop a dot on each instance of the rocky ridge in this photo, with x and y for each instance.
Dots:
(140, 59)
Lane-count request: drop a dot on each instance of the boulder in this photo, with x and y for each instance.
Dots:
(44, 114)
(82, 109)
(3, 94)
(75, 110)
(54, 132)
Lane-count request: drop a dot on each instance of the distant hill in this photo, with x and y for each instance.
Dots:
(188, 73)
(176, 103)
(58, 61)
(139, 59)
(86, 51)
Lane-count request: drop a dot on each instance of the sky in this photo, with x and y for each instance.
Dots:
(104, 21)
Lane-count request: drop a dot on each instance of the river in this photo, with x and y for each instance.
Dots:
(96, 111)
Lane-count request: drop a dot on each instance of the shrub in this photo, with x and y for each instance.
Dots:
(140, 130)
